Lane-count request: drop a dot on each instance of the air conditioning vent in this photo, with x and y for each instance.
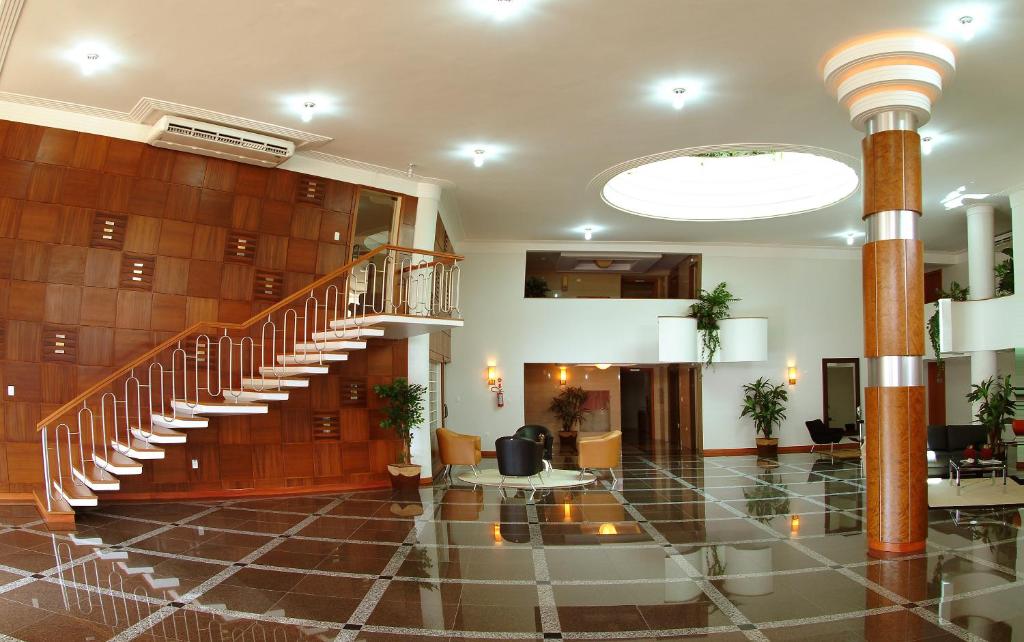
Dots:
(197, 137)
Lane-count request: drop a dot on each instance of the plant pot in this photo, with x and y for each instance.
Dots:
(1018, 427)
(767, 447)
(405, 477)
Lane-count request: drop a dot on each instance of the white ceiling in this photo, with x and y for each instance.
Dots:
(564, 90)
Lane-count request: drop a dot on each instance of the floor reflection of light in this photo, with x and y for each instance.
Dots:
(607, 529)
(794, 525)
(498, 539)
(934, 481)
(567, 512)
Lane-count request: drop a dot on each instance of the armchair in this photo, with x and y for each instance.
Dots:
(456, 449)
(536, 433)
(822, 434)
(601, 452)
(519, 457)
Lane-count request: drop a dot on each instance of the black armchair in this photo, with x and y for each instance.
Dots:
(534, 432)
(519, 457)
(822, 434)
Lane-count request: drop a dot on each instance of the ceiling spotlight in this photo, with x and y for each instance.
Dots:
(90, 63)
(588, 234)
(502, 9)
(850, 238)
(478, 157)
(926, 145)
(678, 98)
(967, 27)
(308, 108)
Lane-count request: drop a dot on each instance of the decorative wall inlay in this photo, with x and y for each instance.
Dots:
(353, 392)
(60, 344)
(268, 286)
(240, 246)
(311, 190)
(137, 271)
(326, 426)
(108, 230)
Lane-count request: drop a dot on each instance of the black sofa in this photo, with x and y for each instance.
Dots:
(948, 442)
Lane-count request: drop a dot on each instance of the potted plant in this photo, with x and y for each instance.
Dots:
(996, 405)
(568, 408)
(1004, 275)
(710, 308)
(402, 411)
(536, 287)
(957, 293)
(764, 403)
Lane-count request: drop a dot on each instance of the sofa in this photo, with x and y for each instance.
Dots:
(947, 442)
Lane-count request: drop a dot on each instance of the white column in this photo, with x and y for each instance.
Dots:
(419, 346)
(1017, 226)
(982, 280)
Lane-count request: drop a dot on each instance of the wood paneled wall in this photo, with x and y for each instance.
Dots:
(108, 247)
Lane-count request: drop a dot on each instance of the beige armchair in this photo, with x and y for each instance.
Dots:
(457, 450)
(604, 451)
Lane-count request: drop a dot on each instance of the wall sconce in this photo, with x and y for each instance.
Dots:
(492, 375)
(563, 376)
(791, 375)
(794, 525)
(494, 384)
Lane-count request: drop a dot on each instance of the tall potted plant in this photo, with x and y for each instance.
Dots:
(710, 308)
(403, 410)
(536, 287)
(765, 403)
(568, 407)
(996, 405)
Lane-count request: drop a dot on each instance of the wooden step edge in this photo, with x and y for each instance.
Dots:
(60, 517)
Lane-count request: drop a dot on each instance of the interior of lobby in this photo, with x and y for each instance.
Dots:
(511, 320)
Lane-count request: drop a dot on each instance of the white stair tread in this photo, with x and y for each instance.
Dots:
(219, 407)
(348, 333)
(161, 582)
(137, 449)
(85, 541)
(75, 494)
(329, 346)
(132, 569)
(287, 371)
(311, 358)
(180, 421)
(256, 395)
(274, 383)
(356, 322)
(159, 435)
(95, 477)
(111, 555)
(116, 463)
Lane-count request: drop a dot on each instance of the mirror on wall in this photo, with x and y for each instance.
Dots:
(841, 394)
(375, 223)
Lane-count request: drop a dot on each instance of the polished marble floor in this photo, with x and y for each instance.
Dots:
(678, 547)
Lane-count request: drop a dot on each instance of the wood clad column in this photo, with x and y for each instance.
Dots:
(893, 280)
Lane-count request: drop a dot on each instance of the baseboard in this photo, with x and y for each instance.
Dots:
(489, 454)
(244, 493)
(733, 452)
(17, 498)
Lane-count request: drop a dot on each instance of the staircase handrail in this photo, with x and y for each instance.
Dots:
(217, 325)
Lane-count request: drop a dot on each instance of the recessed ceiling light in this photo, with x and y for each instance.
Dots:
(679, 98)
(479, 155)
(968, 27)
(588, 233)
(308, 107)
(503, 9)
(729, 183)
(926, 145)
(92, 57)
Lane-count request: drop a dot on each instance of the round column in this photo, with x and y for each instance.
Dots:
(889, 83)
(981, 280)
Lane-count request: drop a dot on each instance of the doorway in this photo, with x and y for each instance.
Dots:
(683, 426)
(841, 392)
(635, 387)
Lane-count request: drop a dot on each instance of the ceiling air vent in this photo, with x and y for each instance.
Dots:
(208, 139)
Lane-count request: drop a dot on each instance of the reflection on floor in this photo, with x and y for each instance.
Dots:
(681, 546)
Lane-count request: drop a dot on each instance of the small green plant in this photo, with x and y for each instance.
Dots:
(956, 292)
(403, 410)
(996, 405)
(765, 403)
(1004, 275)
(567, 406)
(536, 287)
(710, 308)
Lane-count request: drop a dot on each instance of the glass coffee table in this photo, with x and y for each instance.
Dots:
(957, 469)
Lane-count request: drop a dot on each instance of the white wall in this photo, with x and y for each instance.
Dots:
(811, 297)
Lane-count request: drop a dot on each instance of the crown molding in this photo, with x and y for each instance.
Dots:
(377, 169)
(10, 11)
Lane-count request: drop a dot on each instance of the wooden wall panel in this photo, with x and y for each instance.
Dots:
(77, 210)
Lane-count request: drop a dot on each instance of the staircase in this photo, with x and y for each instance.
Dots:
(130, 418)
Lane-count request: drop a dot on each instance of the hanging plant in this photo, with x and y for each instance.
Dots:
(957, 293)
(710, 308)
(1004, 275)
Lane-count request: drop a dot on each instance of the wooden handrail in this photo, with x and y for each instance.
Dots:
(216, 325)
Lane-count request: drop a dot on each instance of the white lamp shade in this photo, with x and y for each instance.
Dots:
(677, 340)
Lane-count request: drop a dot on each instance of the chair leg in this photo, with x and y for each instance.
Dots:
(813, 446)
(614, 478)
(476, 471)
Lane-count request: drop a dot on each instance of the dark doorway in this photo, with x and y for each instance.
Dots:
(936, 394)
(683, 428)
(635, 387)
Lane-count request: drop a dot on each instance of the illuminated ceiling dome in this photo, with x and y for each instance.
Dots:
(730, 183)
